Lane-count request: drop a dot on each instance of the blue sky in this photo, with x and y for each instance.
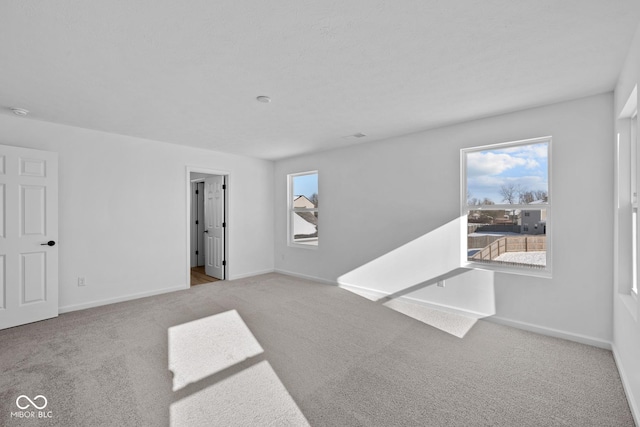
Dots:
(524, 165)
(305, 185)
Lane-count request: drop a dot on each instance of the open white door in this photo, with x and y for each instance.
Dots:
(28, 235)
(214, 226)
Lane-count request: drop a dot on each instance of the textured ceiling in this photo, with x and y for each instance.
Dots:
(189, 72)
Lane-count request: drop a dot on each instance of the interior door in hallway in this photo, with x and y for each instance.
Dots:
(214, 226)
(28, 235)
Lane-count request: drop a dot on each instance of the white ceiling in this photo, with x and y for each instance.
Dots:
(189, 72)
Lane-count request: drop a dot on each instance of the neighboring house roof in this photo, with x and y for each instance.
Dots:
(309, 217)
(305, 224)
(302, 202)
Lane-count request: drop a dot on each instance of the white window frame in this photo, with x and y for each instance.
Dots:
(635, 238)
(465, 209)
(291, 210)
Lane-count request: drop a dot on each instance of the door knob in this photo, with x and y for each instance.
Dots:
(49, 243)
(206, 231)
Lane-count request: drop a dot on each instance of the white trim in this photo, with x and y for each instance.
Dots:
(255, 273)
(507, 144)
(508, 269)
(98, 303)
(227, 175)
(631, 105)
(633, 405)
(542, 330)
(442, 307)
(291, 210)
(546, 272)
(306, 277)
(583, 339)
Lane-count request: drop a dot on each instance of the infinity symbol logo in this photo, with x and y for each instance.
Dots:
(31, 402)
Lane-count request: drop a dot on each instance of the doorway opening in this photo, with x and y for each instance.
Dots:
(207, 230)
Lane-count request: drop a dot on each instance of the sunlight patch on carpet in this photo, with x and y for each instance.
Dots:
(454, 324)
(253, 397)
(206, 346)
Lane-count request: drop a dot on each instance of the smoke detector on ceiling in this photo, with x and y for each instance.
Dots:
(264, 99)
(19, 111)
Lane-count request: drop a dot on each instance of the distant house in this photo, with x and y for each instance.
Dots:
(302, 202)
(533, 221)
(507, 218)
(305, 224)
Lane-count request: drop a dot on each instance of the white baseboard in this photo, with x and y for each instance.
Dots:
(307, 277)
(436, 306)
(542, 330)
(633, 403)
(98, 303)
(245, 275)
(583, 339)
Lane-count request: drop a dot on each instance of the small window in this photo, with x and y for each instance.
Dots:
(303, 209)
(502, 185)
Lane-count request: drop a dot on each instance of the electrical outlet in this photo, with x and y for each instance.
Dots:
(81, 281)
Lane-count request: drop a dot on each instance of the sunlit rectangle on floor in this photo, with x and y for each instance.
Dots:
(206, 346)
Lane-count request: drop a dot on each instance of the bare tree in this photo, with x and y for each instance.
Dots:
(487, 201)
(541, 195)
(314, 199)
(511, 192)
(527, 197)
(473, 201)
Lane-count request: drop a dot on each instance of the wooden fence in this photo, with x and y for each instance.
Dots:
(509, 244)
(485, 240)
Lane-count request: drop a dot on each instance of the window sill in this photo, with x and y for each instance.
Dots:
(521, 271)
(303, 246)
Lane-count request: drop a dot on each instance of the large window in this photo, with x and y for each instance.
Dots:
(303, 209)
(506, 200)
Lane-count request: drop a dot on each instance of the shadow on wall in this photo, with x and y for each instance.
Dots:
(404, 280)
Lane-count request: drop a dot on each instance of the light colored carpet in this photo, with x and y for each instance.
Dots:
(276, 350)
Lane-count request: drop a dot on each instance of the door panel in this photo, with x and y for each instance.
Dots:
(32, 210)
(2, 211)
(28, 220)
(201, 224)
(3, 283)
(217, 250)
(214, 225)
(32, 277)
(32, 167)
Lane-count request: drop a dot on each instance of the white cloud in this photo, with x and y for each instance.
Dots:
(532, 164)
(492, 163)
(538, 151)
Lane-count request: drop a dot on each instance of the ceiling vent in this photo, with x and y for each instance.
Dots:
(19, 111)
(355, 135)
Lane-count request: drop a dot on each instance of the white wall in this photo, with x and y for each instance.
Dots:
(379, 196)
(123, 210)
(626, 327)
